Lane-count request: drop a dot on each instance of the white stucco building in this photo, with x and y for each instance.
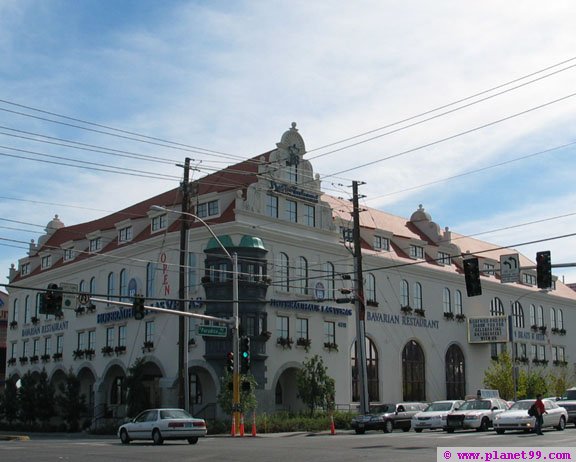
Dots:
(291, 242)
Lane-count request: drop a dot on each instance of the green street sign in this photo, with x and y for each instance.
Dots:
(213, 331)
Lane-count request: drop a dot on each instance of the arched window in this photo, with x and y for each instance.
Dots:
(278, 393)
(82, 286)
(533, 315)
(195, 389)
(458, 302)
(26, 309)
(455, 373)
(413, 372)
(150, 279)
(370, 289)
(302, 281)
(559, 319)
(192, 271)
(518, 315)
(111, 286)
(330, 280)
(553, 318)
(283, 272)
(123, 285)
(447, 300)
(371, 368)
(496, 307)
(405, 293)
(417, 296)
(540, 315)
(116, 391)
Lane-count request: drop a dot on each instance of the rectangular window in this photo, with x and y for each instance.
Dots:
(91, 339)
(444, 258)
(25, 269)
(488, 269)
(381, 243)
(122, 336)
(110, 337)
(292, 211)
(81, 341)
(302, 328)
(35, 347)
(250, 327)
(46, 261)
(271, 206)
(529, 279)
(416, 251)
(330, 332)
(13, 350)
(25, 348)
(125, 234)
(282, 327)
(208, 209)
(541, 352)
(59, 344)
(47, 345)
(292, 173)
(309, 215)
(96, 244)
(158, 223)
(346, 234)
(69, 254)
(149, 331)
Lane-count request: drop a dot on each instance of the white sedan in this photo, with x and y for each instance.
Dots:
(517, 418)
(434, 416)
(163, 424)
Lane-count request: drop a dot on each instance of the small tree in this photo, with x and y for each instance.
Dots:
(315, 387)
(532, 383)
(71, 402)
(560, 381)
(247, 397)
(10, 401)
(499, 376)
(45, 396)
(27, 399)
(137, 397)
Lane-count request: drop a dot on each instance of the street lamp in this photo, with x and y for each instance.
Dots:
(235, 338)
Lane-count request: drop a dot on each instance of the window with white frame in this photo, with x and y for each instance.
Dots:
(533, 352)
(309, 215)
(91, 339)
(13, 350)
(496, 307)
(330, 280)
(447, 300)
(444, 258)
(15, 311)
(302, 328)
(158, 223)
(149, 332)
(529, 279)
(150, 279)
(330, 332)
(48, 345)
(282, 327)
(272, 206)
(533, 315)
(95, 244)
(35, 347)
(69, 254)
(25, 269)
(552, 318)
(458, 303)
(123, 285)
(208, 209)
(488, 269)
(46, 261)
(125, 234)
(110, 337)
(559, 319)
(122, 335)
(540, 315)
(111, 286)
(370, 289)
(25, 348)
(81, 345)
(346, 234)
(302, 276)
(292, 173)
(381, 243)
(417, 251)
(59, 344)
(541, 353)
(404, 293)
(417, 296)
(283, 272)
(27, 309)
(292, 211)
(518, 315)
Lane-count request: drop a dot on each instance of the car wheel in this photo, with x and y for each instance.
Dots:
(388, 426)
(562, 424)
(500, 431)
(193, 440)
(124, 436)
(484, 425)
(157, 437)
(418, 430)
(360, 431)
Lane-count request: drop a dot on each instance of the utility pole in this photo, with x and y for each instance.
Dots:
(182, 295)
(360, 307)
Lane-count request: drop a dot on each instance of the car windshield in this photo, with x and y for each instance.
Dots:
(174, 414)
(521, 405)
(438, 407)
(383, 408)
(474, 405)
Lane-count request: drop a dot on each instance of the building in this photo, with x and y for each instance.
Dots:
(3, 331)
(292, 242)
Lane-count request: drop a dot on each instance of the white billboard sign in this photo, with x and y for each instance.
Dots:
(493, 329)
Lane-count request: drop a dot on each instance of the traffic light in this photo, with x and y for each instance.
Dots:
(230, 362)
(138, 307)
(543, 270)
(472, 277)
(51, 300)
(244, 355)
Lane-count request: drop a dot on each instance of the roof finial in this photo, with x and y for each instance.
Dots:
(294, 126)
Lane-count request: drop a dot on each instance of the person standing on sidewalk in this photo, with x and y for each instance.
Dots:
(540, 411)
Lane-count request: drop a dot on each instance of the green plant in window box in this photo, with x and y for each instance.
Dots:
(107, 350)
(285, 342)
(304, 342)
(331, 346)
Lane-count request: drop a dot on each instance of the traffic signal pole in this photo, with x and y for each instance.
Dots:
(235, 341)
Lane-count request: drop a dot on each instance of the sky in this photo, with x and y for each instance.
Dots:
(464, 107)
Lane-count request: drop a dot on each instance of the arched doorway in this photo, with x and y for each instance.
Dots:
(455, 373)
(371, 369)
(286, 391)
(413, 372)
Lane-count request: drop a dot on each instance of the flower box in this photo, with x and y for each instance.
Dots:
(542, 329)
(107, 350)
(78, 354)
(449, 315)
(265, 335)
(285, 342)
(34, 359)
(373, 303)
(559, 363)
(534, 327)
(120, 349)
(562, 331)
(304, 342)
(13, 324)
(89, 353)
(23, 359)
(45, 358)
(331, 346)
(80, 310)
(420, 312)
(57, 356)
(406, 309)
(12, 361)
(35, 320)
(148, 346)
(90, 308)
(460, 317)
(191, 342)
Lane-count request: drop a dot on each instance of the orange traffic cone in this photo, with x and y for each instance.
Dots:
(332, 427)
(241, 424)
(233, 431)
(254, 424)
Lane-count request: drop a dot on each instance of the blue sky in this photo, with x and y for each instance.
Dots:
(229, 77)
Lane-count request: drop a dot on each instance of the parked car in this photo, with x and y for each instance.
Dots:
(163, 424)
(475, 414)
(517, 418)
(387, 417)
(434, 416)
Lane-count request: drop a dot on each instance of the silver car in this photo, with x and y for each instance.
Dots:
(434, 416)
(517, 418)
(163, 424)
